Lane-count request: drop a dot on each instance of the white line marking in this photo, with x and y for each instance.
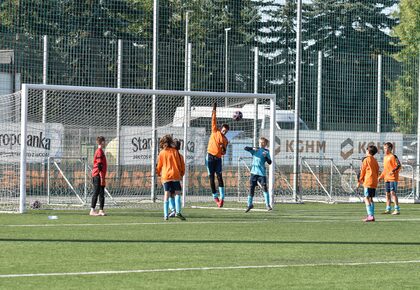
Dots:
(208, 269)
(134, 224)
(226, 208)
(283, 219)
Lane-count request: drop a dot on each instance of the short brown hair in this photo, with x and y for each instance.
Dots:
(100, 139)
(226, 126)
(389, 144)
(372, 149)
(166, 141)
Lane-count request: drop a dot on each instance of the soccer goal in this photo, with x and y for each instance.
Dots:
(60, 124)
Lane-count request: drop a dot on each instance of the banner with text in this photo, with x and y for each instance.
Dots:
(42, 140)
(340, 146)
(136, 144)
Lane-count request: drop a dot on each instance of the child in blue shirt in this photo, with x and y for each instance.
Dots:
(260, 155)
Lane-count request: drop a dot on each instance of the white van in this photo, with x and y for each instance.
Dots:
(202, 115)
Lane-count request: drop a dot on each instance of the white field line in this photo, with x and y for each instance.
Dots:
(227, 208)
(349, 264)
(133, 224)
(283, 219)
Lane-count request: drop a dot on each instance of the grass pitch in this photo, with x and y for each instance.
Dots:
(309, 246)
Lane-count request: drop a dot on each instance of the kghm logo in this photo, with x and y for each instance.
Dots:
(38, 141)
(347, 148)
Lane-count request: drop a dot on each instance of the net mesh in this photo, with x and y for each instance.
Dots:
(60, 151)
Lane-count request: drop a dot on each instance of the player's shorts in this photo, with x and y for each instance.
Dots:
(369, 192)
(255, 179)
(391, 186)
(172, 186)
(213, 164)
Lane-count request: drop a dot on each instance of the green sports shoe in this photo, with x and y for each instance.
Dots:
(387, 212)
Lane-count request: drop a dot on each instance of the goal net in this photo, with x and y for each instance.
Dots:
(60, 125)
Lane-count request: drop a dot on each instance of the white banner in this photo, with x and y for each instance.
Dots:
(338, 145)
(136, 144)
(43, 141)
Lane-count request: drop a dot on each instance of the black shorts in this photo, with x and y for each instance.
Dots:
(172, 186)
(214, 164)
(369, 192)
(255, 179)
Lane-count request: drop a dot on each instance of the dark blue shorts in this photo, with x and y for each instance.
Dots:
(391, 186)
(255, 179)
(369, 192)
(213, 164)
(172, 186)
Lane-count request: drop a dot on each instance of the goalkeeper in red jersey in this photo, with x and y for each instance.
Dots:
(98, 178)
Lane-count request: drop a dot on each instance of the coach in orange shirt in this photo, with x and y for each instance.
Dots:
(392, 166)
(215, 150)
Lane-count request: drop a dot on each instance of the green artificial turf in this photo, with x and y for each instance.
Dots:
(306, 246)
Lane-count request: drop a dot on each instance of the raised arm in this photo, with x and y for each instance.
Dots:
(213, 118)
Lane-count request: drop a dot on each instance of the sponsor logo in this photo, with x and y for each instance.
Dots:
(347, 148)
(36, 141)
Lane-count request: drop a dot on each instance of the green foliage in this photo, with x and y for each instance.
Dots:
(404, 91)
(408, 30)
(351, 26)
(401, 105)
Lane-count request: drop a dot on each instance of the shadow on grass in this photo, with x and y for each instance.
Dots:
(37, 240)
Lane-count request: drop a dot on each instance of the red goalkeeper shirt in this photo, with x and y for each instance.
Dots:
(99, 164)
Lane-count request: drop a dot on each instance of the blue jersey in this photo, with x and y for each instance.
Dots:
(258, 160)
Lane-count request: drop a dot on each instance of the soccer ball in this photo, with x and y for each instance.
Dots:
(237, 116)
(36, 205)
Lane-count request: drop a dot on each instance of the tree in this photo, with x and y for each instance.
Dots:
(350, 34)
(404, 91)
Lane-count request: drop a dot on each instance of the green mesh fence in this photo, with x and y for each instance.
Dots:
(351, 36)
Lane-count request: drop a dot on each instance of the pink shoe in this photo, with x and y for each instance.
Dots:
(101, 213)
(216, 200)
(369, 218)
(93, 213)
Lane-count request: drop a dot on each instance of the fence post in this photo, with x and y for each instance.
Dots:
(418, 136)
(187, 113)
(319, 93)
(255, 92)
(119, 83)
(379, 95)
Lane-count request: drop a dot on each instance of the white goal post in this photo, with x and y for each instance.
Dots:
(126, 112)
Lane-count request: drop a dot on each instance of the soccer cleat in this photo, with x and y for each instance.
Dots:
(369, 218)
(172, 214)
(101, 213)
(386, 212)
(217, 201)
(269, 208)
(93, 213)
(220, 203)
(251, 206)
(165, 218)
(395, 212)
(180, 216)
